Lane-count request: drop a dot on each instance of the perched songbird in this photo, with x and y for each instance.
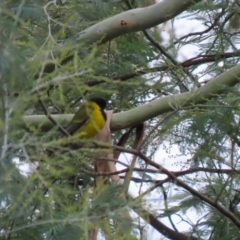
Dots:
(89, 120)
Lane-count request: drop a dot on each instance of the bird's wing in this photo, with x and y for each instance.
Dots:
(74, 126)
(79, 119)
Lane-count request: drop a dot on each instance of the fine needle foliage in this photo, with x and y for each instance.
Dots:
(153, 63)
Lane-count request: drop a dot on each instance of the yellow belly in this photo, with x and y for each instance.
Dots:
(93, 126)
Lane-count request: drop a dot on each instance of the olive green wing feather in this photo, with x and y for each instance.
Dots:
(74, 126)
(80, 118)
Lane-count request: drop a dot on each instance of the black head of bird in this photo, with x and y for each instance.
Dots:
(99, 101)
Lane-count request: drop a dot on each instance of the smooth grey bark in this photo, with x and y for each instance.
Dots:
(126, 119)
(210, 90)
(134, 20)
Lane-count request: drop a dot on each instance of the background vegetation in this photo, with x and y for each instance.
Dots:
(56, 53)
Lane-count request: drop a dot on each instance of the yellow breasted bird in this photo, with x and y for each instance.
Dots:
(89, 120)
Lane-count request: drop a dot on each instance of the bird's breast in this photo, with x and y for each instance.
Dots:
(95, 123)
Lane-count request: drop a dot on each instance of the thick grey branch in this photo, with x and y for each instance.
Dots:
(130, 21)
(160, 106)
(134, 20)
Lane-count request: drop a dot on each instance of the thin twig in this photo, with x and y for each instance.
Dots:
(204, 31)
(48, 115)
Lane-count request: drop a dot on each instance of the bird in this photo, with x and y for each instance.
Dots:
(89, 119)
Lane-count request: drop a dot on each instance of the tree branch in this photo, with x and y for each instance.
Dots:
(179, 182)
(160, 227)
(135, 116)
(204, 31)
(134, 20)
(178, 174)
(126, 22)
(200, 59)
